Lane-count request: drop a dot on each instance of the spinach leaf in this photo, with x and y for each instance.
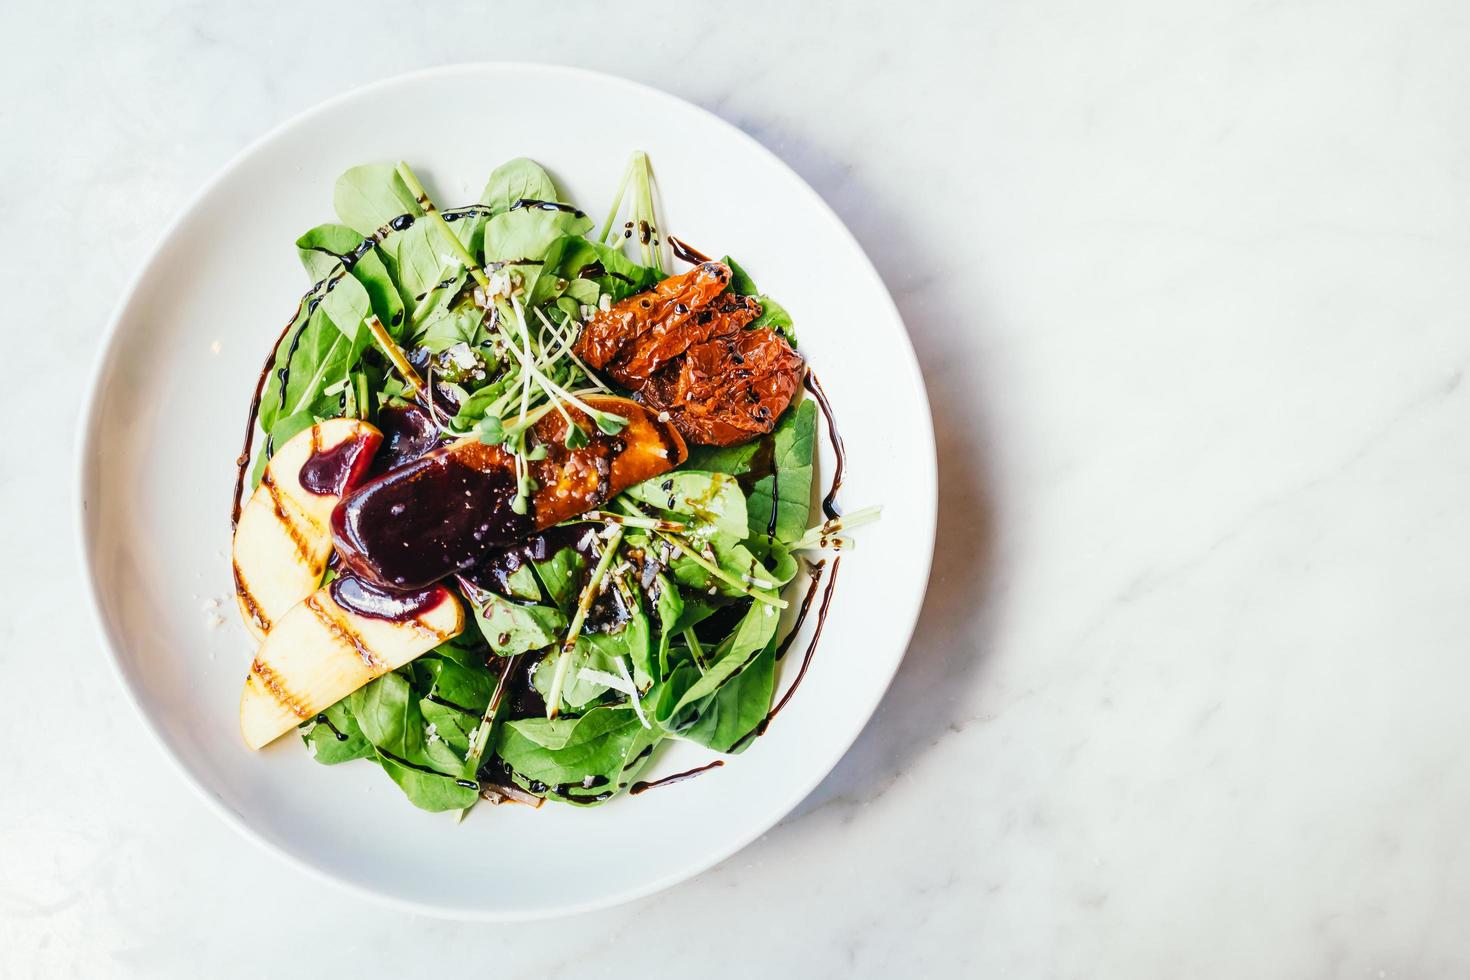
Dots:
(773, 314)
(738, 706)
(749, 637)
(794, 446)
(431, 791)
(338, 739)
(387, 712)
(668, 606)
(577, 692)
(322, 356)
(563, 574)
(368, 197)
(572, 750)
(527, 234)
(322, 248)
(516, 180)
(572, 255)
(710, 498)
(512, 628)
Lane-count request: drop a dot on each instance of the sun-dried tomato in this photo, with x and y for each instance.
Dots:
(684, 348)
(728, 390)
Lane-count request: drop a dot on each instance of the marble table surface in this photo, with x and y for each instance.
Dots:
(1188, 284)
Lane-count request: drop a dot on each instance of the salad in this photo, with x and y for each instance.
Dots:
(530, 500)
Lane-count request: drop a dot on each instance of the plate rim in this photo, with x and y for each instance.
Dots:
(926, 495)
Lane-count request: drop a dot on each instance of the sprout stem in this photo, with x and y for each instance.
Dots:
(584, 603)
(460, 252)
(395, 354)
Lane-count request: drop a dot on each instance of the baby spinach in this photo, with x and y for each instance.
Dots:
(789, 489)
(773, 314)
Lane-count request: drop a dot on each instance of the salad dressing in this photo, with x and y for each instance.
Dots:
(678, 777)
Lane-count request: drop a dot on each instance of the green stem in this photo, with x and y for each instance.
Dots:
(612, 214)
(695, 649)
(422, 196)
(584, 603)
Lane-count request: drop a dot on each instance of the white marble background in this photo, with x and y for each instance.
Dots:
(1188, 282)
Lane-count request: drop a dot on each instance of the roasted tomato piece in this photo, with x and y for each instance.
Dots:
(443, 512)
(729, 389)
(642, 333)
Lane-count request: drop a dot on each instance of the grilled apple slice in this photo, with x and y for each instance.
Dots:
(333, 642)
(446, 510)
(284, 537)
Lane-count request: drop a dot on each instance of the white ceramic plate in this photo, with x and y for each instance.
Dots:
(165, 423)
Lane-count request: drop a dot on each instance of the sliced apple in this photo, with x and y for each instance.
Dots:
(321, 651)
(284, 536)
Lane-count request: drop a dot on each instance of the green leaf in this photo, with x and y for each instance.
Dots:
(387, 712)
(338, 739)
(368, 197)
(667, 606)
(516, 180)
(563, 574)
(569, 750)
(773, 314)
(511, 628)
(431, 791)
(527, 234)
(709, 498)
(749, 637)
(738, 706)
(324, 247)
(790, 485)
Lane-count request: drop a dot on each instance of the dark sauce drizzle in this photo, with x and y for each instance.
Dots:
(539, 205)
(243, 460)
(678, 777)
(829, 507)
(688, 253)
(322, 719)
(462, 783)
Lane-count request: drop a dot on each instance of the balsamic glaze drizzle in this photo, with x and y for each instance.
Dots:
(688, 253)
(678, 777)
(829, 507)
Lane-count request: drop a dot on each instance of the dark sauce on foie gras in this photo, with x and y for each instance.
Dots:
(396, 606)
(408, 433)
(423, 522)
(678, 777)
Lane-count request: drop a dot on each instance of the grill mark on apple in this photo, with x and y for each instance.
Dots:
(247, 599)
(271, 681)
(340, 629)
(303, 548)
